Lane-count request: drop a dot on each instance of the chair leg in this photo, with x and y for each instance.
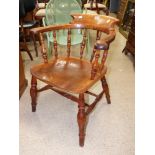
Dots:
(81, 118)
(24, 46)
(106, 89)
(28, 51)
(35, 45)
(33, 93)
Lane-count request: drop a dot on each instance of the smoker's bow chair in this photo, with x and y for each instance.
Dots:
(68, 75)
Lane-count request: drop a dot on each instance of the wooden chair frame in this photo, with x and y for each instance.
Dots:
(80, 21)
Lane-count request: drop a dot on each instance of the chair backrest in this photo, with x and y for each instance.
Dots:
(104, 24)
(97, 5)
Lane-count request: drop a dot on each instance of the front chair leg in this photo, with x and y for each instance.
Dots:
(33, 93)
(106, 89)
(81, 118)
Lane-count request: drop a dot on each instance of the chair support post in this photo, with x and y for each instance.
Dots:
(81, 118)
(106, 89)
(33, 93)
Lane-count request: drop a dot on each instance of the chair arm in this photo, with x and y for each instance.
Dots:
(103, 43)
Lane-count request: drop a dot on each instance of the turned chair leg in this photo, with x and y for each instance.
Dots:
(24, 46)
(35, 45)
(33, 93)
(81, 118)
(106, 89)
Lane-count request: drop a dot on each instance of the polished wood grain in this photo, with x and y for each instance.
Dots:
(68, 75)
(81, 118)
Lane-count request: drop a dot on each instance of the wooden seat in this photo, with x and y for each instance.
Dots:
(68, 75)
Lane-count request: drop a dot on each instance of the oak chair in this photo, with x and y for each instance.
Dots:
(68, 75)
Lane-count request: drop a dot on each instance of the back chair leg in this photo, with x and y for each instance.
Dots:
(33, 93)
(106, 89)
(24, 46)
(28, 51)
(35, 45)
(81, 118)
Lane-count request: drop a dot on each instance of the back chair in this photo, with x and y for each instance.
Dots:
(26, 7)
(22, 40)
(39, 11)
(69, 75)
(97, 6)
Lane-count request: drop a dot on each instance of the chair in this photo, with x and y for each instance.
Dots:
(23, 9)
(41, 4)
(58, 12)
(22, 43)
(39, 12)
(96, 6)
(25, 27)
(68, 75)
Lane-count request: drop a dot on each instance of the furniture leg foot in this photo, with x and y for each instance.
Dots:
(33, 93)
(106, 89)
(81, 118)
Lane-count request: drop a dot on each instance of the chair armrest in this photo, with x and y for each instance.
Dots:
(103, 43)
